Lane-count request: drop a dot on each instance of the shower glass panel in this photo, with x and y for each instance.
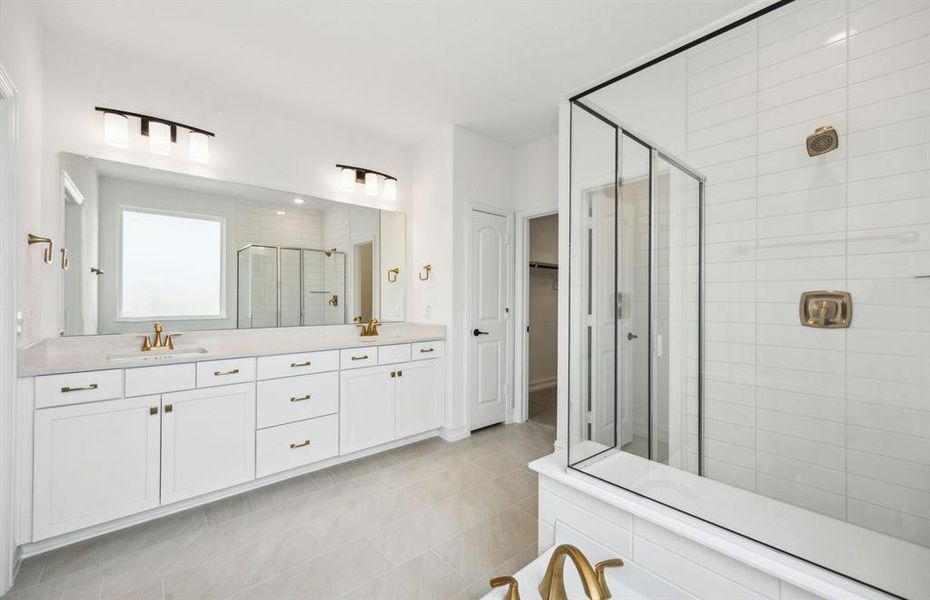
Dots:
(324, 287)
(258, 287)
(290, 287)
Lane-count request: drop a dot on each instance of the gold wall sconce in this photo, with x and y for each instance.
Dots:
(392, 274)
(36, 239)
(97, 271)
(427, 269)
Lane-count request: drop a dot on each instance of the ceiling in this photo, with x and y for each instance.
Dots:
(403, 68)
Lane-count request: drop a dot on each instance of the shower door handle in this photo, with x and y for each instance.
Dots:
(631, 336)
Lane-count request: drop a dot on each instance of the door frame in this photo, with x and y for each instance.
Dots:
(474, 207)
(521, 408)
(8, 228)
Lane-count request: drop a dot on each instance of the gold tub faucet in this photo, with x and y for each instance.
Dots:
(157, 341)
(552, 586)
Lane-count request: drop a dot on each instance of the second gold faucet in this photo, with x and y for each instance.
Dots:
(157, 342)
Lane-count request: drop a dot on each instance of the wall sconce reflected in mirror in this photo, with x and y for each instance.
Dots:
(65, 261)
(36, 239)
(392, 274)
(427, 269)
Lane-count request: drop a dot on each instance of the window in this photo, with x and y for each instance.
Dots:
(153, 246)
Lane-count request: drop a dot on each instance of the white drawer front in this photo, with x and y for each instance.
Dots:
(74, 388)
(296, 398)
(160, 379)
(304, 363)
(397, 353)
(424, 350)
(225, 372)
(296, 444)
(353, 358)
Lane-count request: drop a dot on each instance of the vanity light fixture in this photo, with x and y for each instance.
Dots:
(349, 176)
(161, 133)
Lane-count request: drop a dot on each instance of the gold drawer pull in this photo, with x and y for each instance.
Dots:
(303, 364)
(295, 399)
(425, 350)
(301, 444)
(229, 372)
(92, 386)
(363, 357)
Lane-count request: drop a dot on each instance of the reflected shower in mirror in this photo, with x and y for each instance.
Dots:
(199, 254)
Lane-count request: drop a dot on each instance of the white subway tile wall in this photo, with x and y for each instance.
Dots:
(837, 421)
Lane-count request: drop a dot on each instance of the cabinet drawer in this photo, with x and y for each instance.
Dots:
(296, 444)
(160, 379)
(389, 355)
(424, 350)
(297, 398)
(304, 363)
(353, 358)
(74, 388)
(225, 372)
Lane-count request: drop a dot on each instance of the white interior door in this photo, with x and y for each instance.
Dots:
(603, 315)
(488, 309)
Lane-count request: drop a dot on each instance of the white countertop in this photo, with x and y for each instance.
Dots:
(91, 353)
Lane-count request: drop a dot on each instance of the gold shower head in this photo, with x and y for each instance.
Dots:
(823, 140)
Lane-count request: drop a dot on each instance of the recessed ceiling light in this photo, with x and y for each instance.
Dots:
(281, 213)
(298, 200)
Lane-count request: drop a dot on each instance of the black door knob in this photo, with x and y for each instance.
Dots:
(631, 336)
(478, 332)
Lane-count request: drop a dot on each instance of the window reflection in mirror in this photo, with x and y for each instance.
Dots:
(200, 254)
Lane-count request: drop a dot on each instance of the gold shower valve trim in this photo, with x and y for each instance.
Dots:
(826, 309)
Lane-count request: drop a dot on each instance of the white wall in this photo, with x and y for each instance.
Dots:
(832, 420)
(257, 142)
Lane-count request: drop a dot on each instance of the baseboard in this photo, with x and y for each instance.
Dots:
(454, 435)
(542, 384)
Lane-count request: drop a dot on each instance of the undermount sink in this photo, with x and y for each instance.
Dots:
(155, 355)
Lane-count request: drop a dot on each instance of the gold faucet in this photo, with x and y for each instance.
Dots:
(158, 342)
(552, 586)
(368, 329)
(513, 588)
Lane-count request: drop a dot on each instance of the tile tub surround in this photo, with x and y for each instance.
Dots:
(430, 520)
(88, 353)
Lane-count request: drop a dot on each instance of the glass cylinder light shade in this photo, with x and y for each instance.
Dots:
(390, 188)
(116, 130)
(159, 138)
(371, 184)
(347, 180)
(199, 147)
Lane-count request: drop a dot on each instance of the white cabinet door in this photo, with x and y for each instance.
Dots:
(366, 412)
(94, 463)
(208, 440)
(419, 390)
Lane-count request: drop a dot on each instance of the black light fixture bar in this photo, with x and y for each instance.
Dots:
(361, 171)
(147, 118)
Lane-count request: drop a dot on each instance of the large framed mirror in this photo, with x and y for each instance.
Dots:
(142, 246)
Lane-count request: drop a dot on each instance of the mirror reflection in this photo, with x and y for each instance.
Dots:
(197, 254)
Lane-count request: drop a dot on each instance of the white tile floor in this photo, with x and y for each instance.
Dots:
(432, 520)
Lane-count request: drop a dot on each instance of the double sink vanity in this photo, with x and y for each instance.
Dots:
(117, 439)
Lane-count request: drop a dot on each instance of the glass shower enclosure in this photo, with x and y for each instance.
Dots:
(635, 276)
(280, 287)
